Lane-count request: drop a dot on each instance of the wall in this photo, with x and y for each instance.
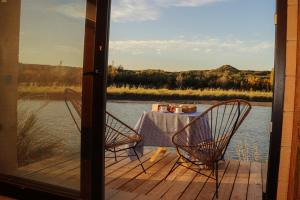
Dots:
(9, 54)
(286, 181)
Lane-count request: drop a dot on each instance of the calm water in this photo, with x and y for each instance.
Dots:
(252, 137)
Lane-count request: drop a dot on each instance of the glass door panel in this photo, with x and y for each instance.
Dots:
(41, 59)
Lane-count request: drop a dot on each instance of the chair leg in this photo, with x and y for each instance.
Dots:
(217, 183)
(115, 154)
(139, 160)
(173, 168)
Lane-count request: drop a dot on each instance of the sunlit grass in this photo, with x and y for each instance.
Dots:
(45, 89)
(205, 94)
(156, 94)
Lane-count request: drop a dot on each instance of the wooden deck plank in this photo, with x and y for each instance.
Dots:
(146, 197)
(177, 189)
(44, 164)
(255, 182)
(209, 189)
(111, 161)
(241, 183)
(122, 195)
(155, 179)
(73, 176)
(128, 174)
(122, 171)
(55, 170)
(134, 183)
(58, 175)
(264, 173)
(123, 163)
(196, 186)
(160, 189)
(75, 173)
(126, 180)
(109, 193)
(227, 182)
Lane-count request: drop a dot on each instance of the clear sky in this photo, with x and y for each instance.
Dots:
(159, 34)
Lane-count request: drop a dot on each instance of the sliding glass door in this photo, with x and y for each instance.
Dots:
(42, 47)
(53, 60)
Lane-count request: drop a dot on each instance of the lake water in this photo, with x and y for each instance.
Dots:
(252, 137)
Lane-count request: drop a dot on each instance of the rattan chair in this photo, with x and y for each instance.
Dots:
(206, 144)
(118, 135)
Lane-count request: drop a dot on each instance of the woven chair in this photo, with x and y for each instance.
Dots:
(118, 135)
(203, 146)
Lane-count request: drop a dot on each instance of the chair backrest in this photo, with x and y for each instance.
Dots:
(116, 131)
(73, 99)
(217, 126)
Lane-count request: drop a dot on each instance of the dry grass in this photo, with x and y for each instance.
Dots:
(127, 93)
(205, 94)
(33, 144)
(39, 90)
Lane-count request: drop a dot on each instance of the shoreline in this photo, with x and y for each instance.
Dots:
(60, 96)
(209, 102)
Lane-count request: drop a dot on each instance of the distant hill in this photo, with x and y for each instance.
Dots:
(46, 75)
(224, 77)
(227, 68)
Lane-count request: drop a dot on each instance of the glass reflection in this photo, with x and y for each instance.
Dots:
(41, 54)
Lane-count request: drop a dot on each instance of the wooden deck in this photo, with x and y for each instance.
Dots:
(125, 179)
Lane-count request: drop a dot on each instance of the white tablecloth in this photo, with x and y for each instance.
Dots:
(157, 128)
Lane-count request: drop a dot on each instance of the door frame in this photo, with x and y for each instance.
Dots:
(92, 171)
(93, 119)
(278, 99)
(94, 99)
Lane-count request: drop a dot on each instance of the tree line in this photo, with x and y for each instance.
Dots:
(225, 77)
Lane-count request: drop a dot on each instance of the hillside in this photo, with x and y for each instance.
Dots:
(227, 68)
(45, 75)
(224, 77)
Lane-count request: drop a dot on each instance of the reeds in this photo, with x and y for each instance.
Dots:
(154, 94)
(189, 94)
(33, 143)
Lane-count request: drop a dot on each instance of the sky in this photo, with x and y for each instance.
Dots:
(172, 35)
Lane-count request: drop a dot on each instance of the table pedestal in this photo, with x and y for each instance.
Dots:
(160, 150)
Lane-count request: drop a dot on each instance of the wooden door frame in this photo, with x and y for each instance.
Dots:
(94, 100)
(92, 170)
(278, 99)
(93, 120)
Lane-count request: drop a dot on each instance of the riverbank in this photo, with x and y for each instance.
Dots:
(208, 102)
(186, 96)
(126, 94)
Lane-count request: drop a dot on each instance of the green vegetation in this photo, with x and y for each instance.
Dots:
(167, 94)
(226, 77)
(222, 83)
(126, 93)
